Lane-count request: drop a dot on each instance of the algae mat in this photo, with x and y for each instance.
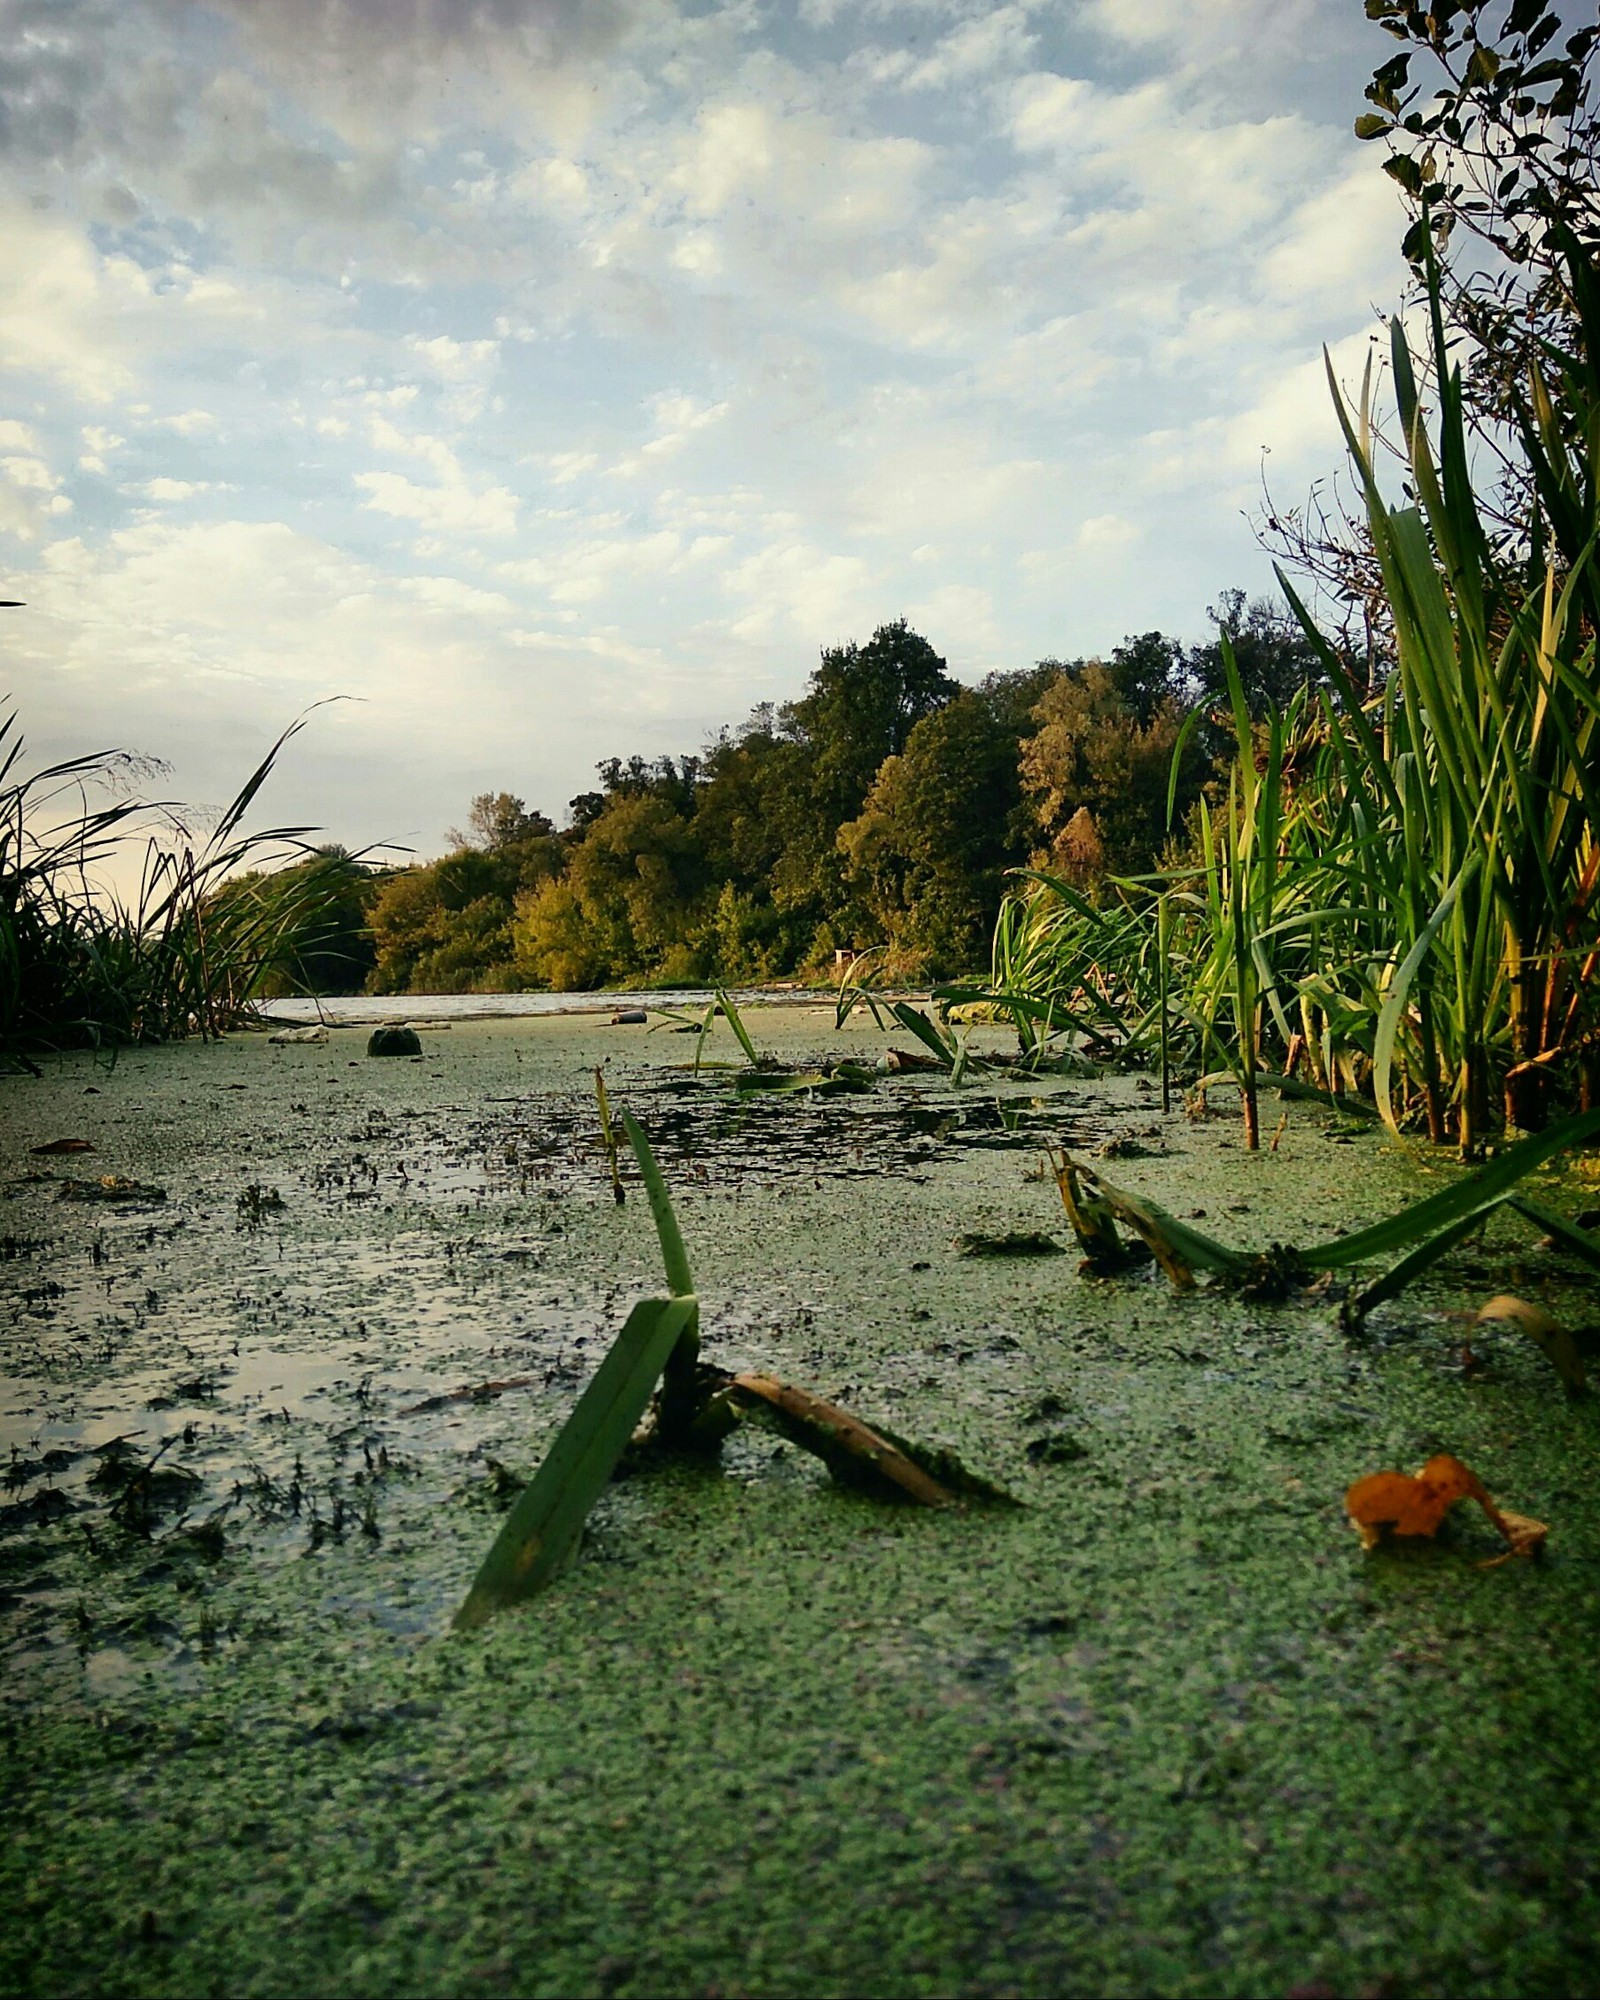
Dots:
(1165, 1729)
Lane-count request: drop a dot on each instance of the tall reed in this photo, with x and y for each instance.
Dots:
(80, 966)
(1399, 893)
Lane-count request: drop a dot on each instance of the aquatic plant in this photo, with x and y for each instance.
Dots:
(1425, 1231)
(694, 1409)
(80, 966)
(1399, 896)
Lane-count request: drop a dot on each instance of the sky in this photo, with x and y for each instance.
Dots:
(552, 379)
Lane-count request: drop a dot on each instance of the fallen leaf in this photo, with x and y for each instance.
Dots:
(110, 1187)
(1549, 1336)
(1403, 1503)
(63, 1146)
(1525, 1535)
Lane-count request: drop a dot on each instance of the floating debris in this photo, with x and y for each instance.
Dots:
(110, 1187)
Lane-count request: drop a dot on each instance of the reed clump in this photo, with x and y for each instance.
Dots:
(83, 967)
(1392, 895)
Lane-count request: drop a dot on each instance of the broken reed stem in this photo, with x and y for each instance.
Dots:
(608, 1133)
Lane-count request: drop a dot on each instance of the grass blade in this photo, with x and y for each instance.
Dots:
(1396, 1279)
(1482, 1190)
(680, 1280)
(737, 1024)
(1177, 1248)
(543, 1527)
(1581, 1242)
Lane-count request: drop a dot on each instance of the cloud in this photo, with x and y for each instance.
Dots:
(30, 496)
(1107, 531)
(795, 589)
(996, 40)
(172, 489)
(454, 508)
(796, 166)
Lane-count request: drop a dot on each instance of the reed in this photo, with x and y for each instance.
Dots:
(80, 967)
(1393, 895)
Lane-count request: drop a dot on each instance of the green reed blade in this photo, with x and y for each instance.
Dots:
(543, 1527)
(680, 1281)
(1478, 1191)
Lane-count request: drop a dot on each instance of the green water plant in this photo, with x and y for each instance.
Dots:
(1394, 894)
(654, 1393)
(81, 966)
(1424, 1231)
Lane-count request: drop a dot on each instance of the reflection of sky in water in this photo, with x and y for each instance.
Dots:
(360, 1008)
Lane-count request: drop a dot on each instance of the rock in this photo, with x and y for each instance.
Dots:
(394, 1041)
(629, 1017)
(315, 1033)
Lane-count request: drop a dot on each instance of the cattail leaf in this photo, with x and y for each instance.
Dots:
(543, 1527)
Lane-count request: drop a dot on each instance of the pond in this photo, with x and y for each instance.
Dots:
(1163, 1728)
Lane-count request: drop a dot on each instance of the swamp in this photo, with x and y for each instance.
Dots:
(272, 1385)
(943, 1347)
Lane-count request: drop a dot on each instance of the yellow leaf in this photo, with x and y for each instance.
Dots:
(1548, 1335)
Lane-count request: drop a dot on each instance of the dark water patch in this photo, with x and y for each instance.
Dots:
(708, 1136)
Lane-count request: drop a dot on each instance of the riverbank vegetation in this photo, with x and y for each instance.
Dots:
(883, 806)
(1396, 890)
(183, 954)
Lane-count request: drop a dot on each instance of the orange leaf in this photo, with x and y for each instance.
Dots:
(1403, 1503)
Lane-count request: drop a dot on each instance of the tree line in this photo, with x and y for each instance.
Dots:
(885, 805)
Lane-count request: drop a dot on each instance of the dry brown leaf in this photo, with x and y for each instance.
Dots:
(1404, 1503)
(1548, 1335)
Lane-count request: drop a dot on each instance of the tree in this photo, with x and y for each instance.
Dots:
(1270, 649)
(327, 946)
(636, 883)
(1097, 776)
(500, 823)
(1497, 167)
(938, 828)
(1504, 151)
(445, 926)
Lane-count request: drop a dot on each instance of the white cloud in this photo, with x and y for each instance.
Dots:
(172, 489)
(797, 165)
(997, 40)
(30, 498)
(794, 588)
(456, 508)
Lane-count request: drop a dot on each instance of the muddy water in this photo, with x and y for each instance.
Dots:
(1163, 1728)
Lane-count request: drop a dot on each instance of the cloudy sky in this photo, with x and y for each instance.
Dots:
(554, 378)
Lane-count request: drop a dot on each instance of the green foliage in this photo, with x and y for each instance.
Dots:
(886, 803)
(927, 853)
(78, 967)
(320, 909)
(1402, 892)
(1096, 775)
(447, 926)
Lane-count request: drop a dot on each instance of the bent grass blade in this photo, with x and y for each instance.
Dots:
(1581, 1242)
(680, 1280)
(1479, 1191)
(543, 1527)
